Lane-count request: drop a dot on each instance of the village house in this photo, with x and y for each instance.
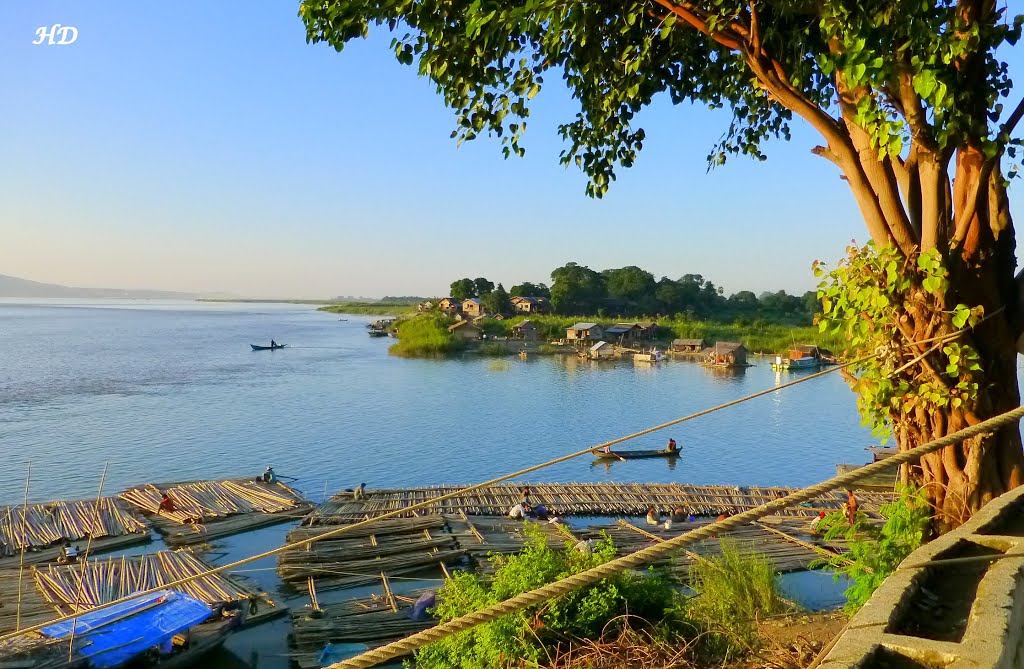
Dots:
(466, 330)
(582, 333)
(687, 345)
(648, 331)
(728, 354)
(526, 330)
(624, 334)
(472, 308)
(602, 350)
(531, 305)
(449, 306)
(425, 306)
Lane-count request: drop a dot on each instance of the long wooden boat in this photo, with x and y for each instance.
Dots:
(267, 348)
(634, 455)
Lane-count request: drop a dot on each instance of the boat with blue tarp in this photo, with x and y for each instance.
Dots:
(166, 628)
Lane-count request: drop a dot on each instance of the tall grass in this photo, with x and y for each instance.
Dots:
(733, 592)
(424, 336)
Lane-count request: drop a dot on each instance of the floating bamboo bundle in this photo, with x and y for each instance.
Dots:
(582, 499)
(210, 500)
(40, 525)
(105, 580)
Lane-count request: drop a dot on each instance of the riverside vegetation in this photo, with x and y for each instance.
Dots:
(717, 623)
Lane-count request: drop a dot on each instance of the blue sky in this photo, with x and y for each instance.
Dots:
(206, 147)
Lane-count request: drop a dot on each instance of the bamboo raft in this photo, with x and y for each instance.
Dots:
(373, 620)
(206, 510)
(34, 608)
(40, 530)
(582, 499)
(397, 546)
(105, 580)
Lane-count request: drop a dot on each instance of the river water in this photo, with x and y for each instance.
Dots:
(165, 391)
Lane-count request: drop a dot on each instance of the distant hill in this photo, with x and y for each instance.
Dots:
(12, 286)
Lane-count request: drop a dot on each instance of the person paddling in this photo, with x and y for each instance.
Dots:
(672, 448)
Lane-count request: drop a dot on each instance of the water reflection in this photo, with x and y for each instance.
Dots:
(608, 463)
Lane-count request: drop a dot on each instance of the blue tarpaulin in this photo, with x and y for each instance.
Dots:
(114, 635)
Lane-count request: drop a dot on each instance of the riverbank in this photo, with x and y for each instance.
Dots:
(427, 335)
(369, 308)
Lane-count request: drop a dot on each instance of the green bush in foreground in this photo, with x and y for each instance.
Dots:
(875, 552)
(733, 592)
(525, 635)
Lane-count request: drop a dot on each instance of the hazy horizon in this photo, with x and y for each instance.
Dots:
(208, 149)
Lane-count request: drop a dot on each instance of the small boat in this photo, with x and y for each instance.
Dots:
(378, 333)
(169, 629)
(652, 356)
(267, 348)
(635, 455)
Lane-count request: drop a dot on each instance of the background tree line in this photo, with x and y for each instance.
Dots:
(634, 292)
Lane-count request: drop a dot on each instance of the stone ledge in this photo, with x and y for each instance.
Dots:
(993, 637)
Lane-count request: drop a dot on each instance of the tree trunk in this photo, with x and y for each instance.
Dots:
(960, 479)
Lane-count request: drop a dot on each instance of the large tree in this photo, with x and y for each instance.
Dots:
(576, 290)
(905, 96)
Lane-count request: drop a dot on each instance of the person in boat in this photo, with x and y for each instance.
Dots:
(607, 449)
(851, 507)
(519, 511)
(269, 476)
(166, 503)
(672, 448)
(653, 517)
(273, 344)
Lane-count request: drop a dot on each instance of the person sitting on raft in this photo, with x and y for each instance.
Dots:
(672, 448)
(69, 553)
(519, 511)
(653, 517)
(269, 476)
(679, 515)
(166, 503)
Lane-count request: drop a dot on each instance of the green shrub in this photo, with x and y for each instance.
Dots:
(733, 592)
(875, 552)
(426, 335)
(526, 636)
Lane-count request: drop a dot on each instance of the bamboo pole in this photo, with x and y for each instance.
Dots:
(21, 561)
(85, 564)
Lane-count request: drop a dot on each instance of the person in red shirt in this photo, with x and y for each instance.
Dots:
(167, 504)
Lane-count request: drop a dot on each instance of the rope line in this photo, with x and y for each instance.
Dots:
(437, 500)
(653, 553)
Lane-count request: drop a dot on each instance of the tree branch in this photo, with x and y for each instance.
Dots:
(1013, 119)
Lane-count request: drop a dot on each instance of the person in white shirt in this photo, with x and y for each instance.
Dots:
(519, 511)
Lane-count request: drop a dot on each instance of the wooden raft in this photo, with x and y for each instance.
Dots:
(582, 499)
(373, 620)
(106, 580)
(34, 608)
(41, 529)
(396, 546)
(206, 510)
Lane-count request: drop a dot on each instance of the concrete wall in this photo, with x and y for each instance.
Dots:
(967, 615)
